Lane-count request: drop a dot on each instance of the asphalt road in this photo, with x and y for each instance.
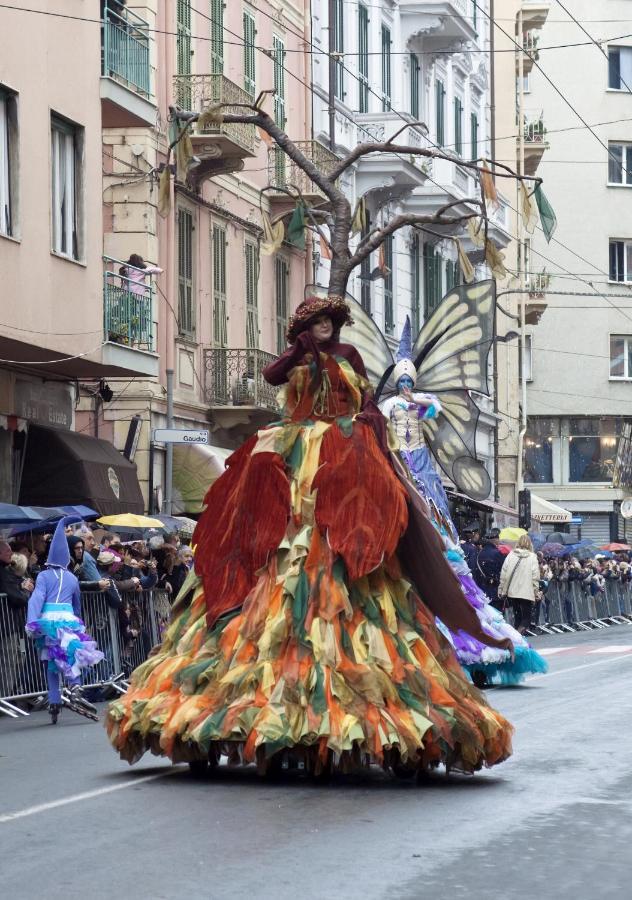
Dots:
(552, 822)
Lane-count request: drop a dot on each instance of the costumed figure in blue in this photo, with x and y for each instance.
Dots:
(54, 620)
(425, 395)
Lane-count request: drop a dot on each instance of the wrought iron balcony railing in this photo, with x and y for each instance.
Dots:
(284, 173)
(533, 128)
(538, 283)
(125, 48)
(127, 306)
(233, 377)
(197, 92)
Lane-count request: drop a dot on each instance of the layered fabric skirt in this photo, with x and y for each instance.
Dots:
(496, 665)
(314, 659)
(61, 639)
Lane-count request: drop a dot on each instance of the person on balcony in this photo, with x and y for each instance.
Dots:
(133, 280)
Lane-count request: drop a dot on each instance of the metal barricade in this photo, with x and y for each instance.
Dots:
(125, 636)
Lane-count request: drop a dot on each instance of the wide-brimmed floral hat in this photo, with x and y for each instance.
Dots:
(334, 306)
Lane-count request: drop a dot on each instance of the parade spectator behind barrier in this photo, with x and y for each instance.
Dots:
(489, 564)
(171, 571)
(520, 581)
(105, 561)
(17, 589)
(470, 545)
(138, 570)
(78, 567)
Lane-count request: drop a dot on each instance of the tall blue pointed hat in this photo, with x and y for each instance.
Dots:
(405, 365)
(58, 553)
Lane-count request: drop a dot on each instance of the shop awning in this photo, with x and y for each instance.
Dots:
(66, 467)
(195, 468)
(544, 511)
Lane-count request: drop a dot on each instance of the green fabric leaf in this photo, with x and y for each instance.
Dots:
(299, 604)
(319, 701)
(547, 215)
(296, 227)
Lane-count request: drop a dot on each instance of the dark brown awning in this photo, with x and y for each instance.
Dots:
(65, 467)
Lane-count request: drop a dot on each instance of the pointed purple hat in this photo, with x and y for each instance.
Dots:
(58, 553)
(405, 348)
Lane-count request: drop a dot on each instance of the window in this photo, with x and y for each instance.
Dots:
(278, 58)
(440, 112)
(389, 319)
(220, 322)
(8, 162)
(620, 260)
(458, 126)
(415, 283)
(365, 272)
(250, 33)
(386, 68)
(252, 295)
(183, 51)
(433, 287)
(217, 37)
(338, 46)
(527, 369)
(540, 439)
(186, 309)
(473, 136)
(67, 187)
(282, 277)
(414, 85)
(621, 356)
(620, 164)
(363, 58)
(620, 68)
(452, 274)
(526, 83)
(592, 448)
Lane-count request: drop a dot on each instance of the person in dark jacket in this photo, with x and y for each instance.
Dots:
(488, 567)
(470, 545)
(78, 567)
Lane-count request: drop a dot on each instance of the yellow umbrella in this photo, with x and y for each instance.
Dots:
(511, 533)
(129, 520)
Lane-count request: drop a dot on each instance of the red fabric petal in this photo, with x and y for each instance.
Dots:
(360, 502)
(246, 516)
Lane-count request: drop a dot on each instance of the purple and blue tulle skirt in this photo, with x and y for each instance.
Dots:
(62, 640)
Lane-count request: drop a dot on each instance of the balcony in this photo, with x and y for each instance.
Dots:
(284, 173)
(390, 174)
(530, 41)
(129, 328)
(235, 389)
(126, 74)
(444, 20)
(221, 147)
(448, 182)
(534, 14)
(535, 304)
(535, 143)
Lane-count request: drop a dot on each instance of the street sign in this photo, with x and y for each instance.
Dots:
(577, 520)
(180, 436)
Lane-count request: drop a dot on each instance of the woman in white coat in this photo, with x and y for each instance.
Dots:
(520, 582)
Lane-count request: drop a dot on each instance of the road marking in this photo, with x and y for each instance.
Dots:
(86, 795)
(600, 662)
(613, 648)
(549, 651)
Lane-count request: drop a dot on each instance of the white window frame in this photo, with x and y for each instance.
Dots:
(528, 361)
(627, 339)
(627, 273)
(249, 21)
(66, 188)
(626, 163)
(623, 49)
(9, 206)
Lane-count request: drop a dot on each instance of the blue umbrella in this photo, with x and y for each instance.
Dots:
(553, 550)
(10, 514)
(538, 541)
(50, 516)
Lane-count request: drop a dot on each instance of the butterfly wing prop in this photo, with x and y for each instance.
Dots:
(369, 341)
(450, 355)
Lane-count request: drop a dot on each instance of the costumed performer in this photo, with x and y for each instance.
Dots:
(54, 620)
(408, 411)
(302, 628)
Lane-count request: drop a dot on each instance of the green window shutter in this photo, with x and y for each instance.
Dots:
(414, 85)
(249, 54)
(458, 126)
(389, 317)
(386, 68)
(474, 136)
(415, 287)
(220, 322)
(338, 42)
(217, 37)
(363, 58)
(186, 309)
(281, 271)
(252, 295)
(440, 112)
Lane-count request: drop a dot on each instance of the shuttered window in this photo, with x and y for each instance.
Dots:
(278, 56)
(250, 33)
(217, 37)
(338, 46)
(474, 136)
(440, 112)
(186, 309)
(365, 272)
(389, 318)
(220, 322)
(433, 286)
(282, 277)
(252, 295)
(415, 283)
(183, 51)
(458, 126)
(386, 68)
(414, 85)
(363, 58)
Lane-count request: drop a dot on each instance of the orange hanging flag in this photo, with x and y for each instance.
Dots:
(325, 249)
(265, 137)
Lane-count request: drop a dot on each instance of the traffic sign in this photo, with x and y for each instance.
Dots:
(180, 436)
